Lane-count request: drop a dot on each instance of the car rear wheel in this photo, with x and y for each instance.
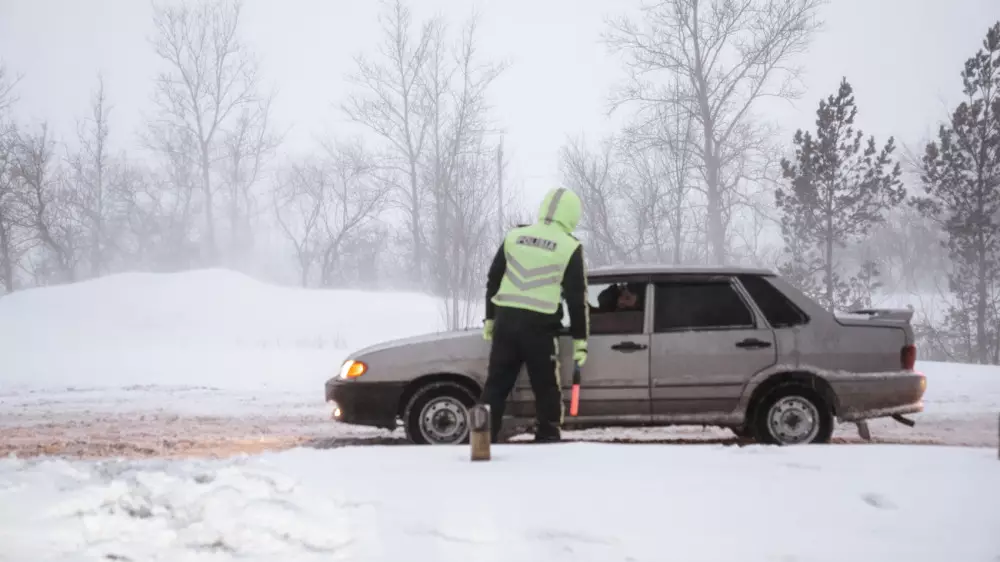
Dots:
(793, 415)
(438, 414)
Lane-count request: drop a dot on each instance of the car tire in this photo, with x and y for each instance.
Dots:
(778, 416)
(438, 414)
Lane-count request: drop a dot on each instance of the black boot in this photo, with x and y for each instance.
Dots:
(546, 433)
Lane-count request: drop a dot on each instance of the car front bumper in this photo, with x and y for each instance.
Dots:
(365, 403)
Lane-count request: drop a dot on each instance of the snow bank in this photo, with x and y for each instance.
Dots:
(957, 389)
(575, 502)
(213, 328)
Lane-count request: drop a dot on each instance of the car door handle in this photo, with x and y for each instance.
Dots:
(627, 346)
(753, 343)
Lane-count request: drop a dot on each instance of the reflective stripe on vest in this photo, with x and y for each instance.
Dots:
(550, 213)
(536, 256)
(519, 275)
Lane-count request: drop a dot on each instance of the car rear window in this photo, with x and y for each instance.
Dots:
(699, 305)
(779, 311)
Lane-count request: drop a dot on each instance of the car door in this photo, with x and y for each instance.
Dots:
(614, 382)
(707, 342)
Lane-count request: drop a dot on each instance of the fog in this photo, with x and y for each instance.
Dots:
(310, 157)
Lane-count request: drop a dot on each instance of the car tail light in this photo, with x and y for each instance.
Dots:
(908, 357)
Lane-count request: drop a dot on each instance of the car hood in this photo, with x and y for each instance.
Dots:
(440, 346)
(422, 339)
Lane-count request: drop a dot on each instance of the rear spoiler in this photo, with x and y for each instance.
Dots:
(893, 314)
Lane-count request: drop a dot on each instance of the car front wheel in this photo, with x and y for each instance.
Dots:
(793, 415)
(438, 414)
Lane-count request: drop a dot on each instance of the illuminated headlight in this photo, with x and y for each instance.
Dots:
(352, 369)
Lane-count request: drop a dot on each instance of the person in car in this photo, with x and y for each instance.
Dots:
(618, 298)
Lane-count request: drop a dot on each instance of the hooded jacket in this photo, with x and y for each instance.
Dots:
(548, 250)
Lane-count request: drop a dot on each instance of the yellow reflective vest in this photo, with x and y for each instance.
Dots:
(536, 256)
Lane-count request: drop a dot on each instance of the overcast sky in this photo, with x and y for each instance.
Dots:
(902, 56)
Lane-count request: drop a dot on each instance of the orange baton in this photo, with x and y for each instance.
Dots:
(574, 405)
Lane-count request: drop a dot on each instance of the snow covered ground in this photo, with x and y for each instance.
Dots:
(152, 365)
(579, 502)
(177, 369)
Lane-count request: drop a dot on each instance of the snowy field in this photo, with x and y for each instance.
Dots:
(574, 501)
(181, 417)
(213, 362)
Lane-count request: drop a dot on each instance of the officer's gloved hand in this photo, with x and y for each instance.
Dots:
(580, 352)
(488, 330)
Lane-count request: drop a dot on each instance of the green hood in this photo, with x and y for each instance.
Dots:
(562, 207)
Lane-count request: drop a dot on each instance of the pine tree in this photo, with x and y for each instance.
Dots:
(839, 187)
(961, 176)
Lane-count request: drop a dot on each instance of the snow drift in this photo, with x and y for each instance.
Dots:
(208, 308)
(212, 328)
(576, 502)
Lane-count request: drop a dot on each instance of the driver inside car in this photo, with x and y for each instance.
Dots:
(617, 298)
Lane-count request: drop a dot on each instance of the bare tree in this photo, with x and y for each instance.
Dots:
(46, 201)
(590, 173)
(323, 205)
(472, 243)
(455, 85)
(211, 76)
(658, 152)
(14, 236)
(93, 172)
(10, 234)
(727, 55)
(8, 98)
(247, 148)
(299, 201)
(357, 195)
(392, 104)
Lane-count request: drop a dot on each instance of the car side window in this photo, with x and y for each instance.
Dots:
(700, 305)
(615, 308)
(777, 308)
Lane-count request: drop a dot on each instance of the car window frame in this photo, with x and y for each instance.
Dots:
(758, 321)
(764, 279)
(647, 311)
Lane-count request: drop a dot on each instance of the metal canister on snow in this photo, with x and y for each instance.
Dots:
(479, 432)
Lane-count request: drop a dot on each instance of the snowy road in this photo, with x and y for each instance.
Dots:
(185, 422)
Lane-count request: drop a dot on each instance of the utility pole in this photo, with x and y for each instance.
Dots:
(500, 227)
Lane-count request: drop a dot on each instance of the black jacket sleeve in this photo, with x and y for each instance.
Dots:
(493, 278)
(574, 287)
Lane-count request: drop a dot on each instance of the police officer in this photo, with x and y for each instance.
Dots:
(535, 268)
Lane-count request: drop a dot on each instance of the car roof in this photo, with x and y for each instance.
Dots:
(663, 269)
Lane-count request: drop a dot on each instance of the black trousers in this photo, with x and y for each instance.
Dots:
(524, 338)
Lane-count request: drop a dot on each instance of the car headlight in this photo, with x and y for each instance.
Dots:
(352, 369)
